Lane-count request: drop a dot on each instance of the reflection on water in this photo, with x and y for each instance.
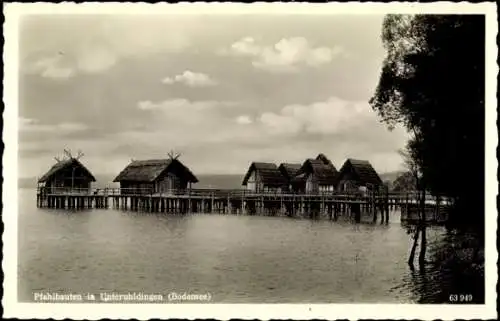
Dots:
(235, 258)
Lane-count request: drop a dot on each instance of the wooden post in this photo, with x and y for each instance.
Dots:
(414, 247)
(387, 206)
(374, 207)
(322, 210)
(407, 205)
(423, 243)
(438, 201)
(355, 208)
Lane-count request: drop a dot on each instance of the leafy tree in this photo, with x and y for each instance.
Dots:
(432, 83)
(404, 183)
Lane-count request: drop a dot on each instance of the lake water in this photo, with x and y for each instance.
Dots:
(237, 259)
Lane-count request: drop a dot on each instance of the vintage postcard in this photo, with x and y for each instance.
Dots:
(263, 161)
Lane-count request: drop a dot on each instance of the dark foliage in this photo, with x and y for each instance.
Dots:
(433, 83)
(404, 183)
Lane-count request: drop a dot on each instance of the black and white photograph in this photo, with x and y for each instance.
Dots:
(250, 160)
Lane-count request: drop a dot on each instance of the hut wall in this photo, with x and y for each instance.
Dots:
(311, 184)
(254, 182)
(348, 181)
(170, 182)
(71, 179)
(346, 185)
(271, 189)
(259, 186)
(326, 188)
(136, 187)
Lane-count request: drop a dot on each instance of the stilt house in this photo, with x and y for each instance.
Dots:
(155, 176)
(358, 175)
(316, 176)
(264, 177)
(67, 176)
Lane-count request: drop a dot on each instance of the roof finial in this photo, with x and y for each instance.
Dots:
(80, 154)
(67, 152)
(173, 155)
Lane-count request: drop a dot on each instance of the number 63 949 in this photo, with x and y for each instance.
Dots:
(460, 298)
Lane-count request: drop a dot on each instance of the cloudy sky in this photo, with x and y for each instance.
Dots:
(221, 90)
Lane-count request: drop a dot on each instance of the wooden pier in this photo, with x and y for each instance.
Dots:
(433, 213)
(242, 202)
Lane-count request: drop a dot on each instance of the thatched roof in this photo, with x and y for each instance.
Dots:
(325, 160)
(62, 165)
(289, 171)
(363, 170)
(325, 174)
(152, 169)
(269, 173)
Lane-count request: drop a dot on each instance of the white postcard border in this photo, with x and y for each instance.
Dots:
(12, 308)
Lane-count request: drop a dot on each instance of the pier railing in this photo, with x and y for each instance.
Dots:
(407, 197)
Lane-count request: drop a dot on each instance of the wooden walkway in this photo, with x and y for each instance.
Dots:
(230, 201)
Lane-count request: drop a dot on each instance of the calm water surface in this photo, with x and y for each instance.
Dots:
(235, 258)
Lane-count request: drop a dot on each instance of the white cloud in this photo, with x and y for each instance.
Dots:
(285, 55)
(72, 127)
(244, 120)
(178, 104)
(191, 79)
(280, 124)
(27, 121)
(34, 125)
(328, 117)
(51, 67)
(58, 73)
(184, 121)
(59, 66)
(246, 46)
